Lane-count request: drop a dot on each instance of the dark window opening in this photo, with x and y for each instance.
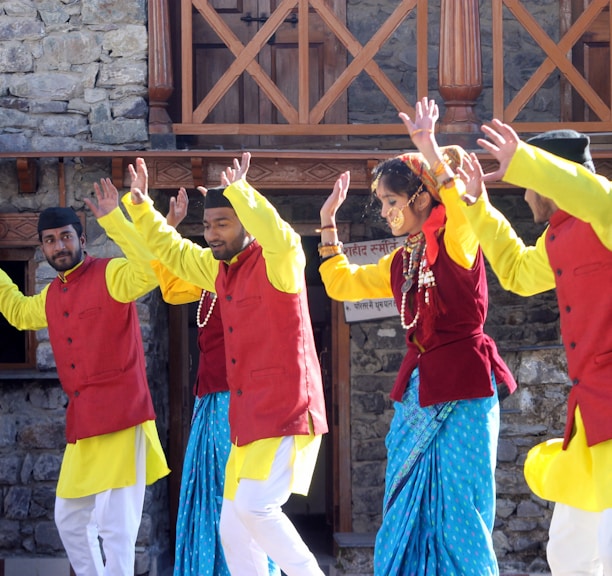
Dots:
(17, 347)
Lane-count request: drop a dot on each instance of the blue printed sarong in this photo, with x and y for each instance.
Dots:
(439, 503)
(198, 549)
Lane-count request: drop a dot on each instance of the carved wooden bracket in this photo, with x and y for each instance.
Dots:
(117, 172)
(26, 175)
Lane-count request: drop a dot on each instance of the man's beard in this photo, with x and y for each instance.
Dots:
(71, 261)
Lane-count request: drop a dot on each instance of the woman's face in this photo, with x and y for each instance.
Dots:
(397, 210)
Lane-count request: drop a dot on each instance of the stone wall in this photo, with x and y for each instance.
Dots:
(32, 406)
(73, 75)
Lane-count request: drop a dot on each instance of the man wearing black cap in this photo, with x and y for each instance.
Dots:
(113, 449)
(573, 255)
(255, 263)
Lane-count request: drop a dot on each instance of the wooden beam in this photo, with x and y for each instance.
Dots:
(274, 171)
(342, 473)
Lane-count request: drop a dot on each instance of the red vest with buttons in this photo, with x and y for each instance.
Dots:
(273, 369)
(583, 276)
(98, 351)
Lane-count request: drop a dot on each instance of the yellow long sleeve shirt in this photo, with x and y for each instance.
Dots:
(526, 270)
(281, 245)
(127, 279)
(351, 282)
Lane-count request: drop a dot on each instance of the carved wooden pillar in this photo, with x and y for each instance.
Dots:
(160, 67)
(460, 66)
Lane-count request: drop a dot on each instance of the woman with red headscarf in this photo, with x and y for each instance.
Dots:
(439, 503)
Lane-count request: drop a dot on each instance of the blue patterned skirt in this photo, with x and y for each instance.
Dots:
(439, 504)
(198, 549)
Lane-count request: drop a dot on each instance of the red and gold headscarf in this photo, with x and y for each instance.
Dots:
(452, 155)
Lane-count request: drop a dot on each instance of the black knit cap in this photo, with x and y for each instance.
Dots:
(567, 144)
(57, 217)
(215, 199)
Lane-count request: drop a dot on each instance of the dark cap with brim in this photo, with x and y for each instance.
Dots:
(567, 144)
(57, 217)
(215, 199)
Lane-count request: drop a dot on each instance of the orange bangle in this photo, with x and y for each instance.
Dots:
(438, 168)
(419, 130)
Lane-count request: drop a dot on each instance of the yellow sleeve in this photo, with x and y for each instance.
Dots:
(180, 256)
(281, 245)
(174, 289)
(460, 241)
(132, 277)
(572, 187)
(348, 282)
(22, 312)
(522, 269)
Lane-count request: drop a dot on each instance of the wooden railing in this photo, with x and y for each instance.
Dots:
(556, 58)
(460, 71)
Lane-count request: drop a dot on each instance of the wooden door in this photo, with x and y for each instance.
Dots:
(211, 57)
(591, 56)
(245, 102)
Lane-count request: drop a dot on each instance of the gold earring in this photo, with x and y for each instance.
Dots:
(398, 220)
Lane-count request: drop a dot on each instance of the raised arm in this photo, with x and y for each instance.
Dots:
(281, 244)
(184, 258)
(460, 241)
(131, 277)
(21, 311)
(572, 187)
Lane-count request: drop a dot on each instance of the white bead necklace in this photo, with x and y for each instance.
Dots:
(416, 316)
(210, 309)
(413, 253)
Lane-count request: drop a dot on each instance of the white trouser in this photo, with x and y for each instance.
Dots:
(253, 525)
(580, 542)
(114, 515)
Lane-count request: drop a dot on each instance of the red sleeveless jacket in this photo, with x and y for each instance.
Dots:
(98, 351)
(454, 356)
(273, 369)
(583, 273)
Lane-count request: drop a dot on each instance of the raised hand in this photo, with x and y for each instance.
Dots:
(238, 171)
(335, 199)
(107, 198)
(139, 181)
(178, 208)
(471, 173)
(502, 144)
(423, 125)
